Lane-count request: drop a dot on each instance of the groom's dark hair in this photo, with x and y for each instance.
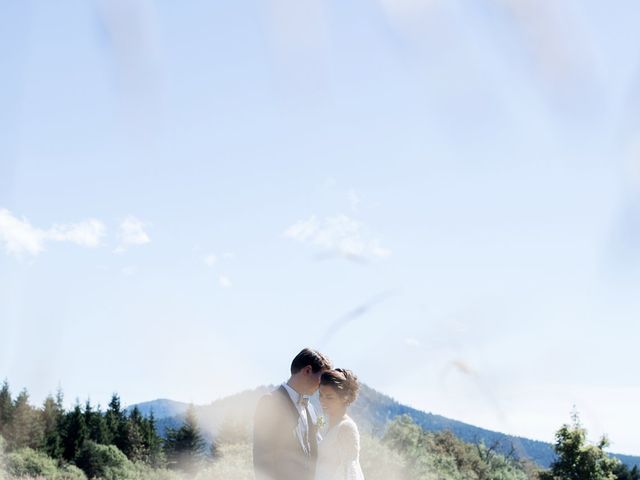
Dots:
(311, 357)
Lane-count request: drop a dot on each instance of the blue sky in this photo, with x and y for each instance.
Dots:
(442, 196)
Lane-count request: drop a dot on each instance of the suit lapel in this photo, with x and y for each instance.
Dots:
(293, 410)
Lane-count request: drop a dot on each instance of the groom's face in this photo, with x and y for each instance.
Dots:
(312, 380)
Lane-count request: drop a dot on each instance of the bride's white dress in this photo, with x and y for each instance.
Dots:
(339, 453)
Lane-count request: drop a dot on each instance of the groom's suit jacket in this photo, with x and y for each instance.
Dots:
(279, 452)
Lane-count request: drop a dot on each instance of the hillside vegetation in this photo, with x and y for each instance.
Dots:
(86, 443)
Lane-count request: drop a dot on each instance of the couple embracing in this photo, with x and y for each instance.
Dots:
(287, 440)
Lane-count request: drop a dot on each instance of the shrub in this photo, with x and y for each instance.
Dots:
(379, 462)
(27, 462)
(70, 472)
(105, 462)
(443, 456)
(3, 472)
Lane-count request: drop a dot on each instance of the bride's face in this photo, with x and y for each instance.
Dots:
(332, 402)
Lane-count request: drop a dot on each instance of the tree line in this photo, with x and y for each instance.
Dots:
(51, 442)
(78, 436)
(443, 455)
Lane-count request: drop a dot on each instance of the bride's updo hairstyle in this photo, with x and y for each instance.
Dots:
(343, 381)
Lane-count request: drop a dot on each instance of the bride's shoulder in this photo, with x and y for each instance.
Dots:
(348, 435)
(348, 426)
(347, 420)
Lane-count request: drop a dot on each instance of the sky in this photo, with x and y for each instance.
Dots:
(443, 196)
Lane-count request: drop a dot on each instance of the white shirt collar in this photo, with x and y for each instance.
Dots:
(295, 396)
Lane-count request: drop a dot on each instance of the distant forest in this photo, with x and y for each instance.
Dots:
(88, 443)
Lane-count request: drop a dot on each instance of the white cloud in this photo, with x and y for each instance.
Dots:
(224, 281)
(131, 234)
(340, 235)
(210, 260)
(20, 237)
(85, 234)
(303, 230)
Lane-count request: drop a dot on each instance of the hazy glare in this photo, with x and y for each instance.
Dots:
(443, 196)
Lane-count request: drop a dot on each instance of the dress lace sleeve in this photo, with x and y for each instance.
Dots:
(349, 442)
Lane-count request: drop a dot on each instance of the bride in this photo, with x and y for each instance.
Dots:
(339, 451)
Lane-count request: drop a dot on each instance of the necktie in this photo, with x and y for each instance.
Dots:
(304, 403)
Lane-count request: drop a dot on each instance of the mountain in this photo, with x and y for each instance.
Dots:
(161, 408)
(235, 411)
(372, 411)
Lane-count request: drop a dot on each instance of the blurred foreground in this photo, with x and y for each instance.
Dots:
(400, 456)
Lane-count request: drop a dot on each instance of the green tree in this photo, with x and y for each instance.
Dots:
(6, 407)
(578, 460)
(622, 472)
(117, 425)
(404, 435)
(467, 459)
(96, 424)
(185, 446)
(25, 429)
(74, 433)
(444, 456)
(51, 417)
(152, 442)
(137, 450)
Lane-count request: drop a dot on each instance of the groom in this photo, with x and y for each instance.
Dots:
(285, 438)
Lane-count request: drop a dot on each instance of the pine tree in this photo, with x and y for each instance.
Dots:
(137, 450)
(74, 433)
(153, 442)
(622, 472)
(112, 418)
(185, 446)
(25, 429)
(117, 425)
(96, 424)
(6, 407)
(52, 416)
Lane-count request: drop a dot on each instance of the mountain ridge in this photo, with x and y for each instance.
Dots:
(371, 411)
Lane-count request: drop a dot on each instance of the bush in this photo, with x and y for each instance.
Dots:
(30, 463)
(27, 462)
(105, 462)
(3, 472)
(443, 456)
(70, 472)
(379, 462)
